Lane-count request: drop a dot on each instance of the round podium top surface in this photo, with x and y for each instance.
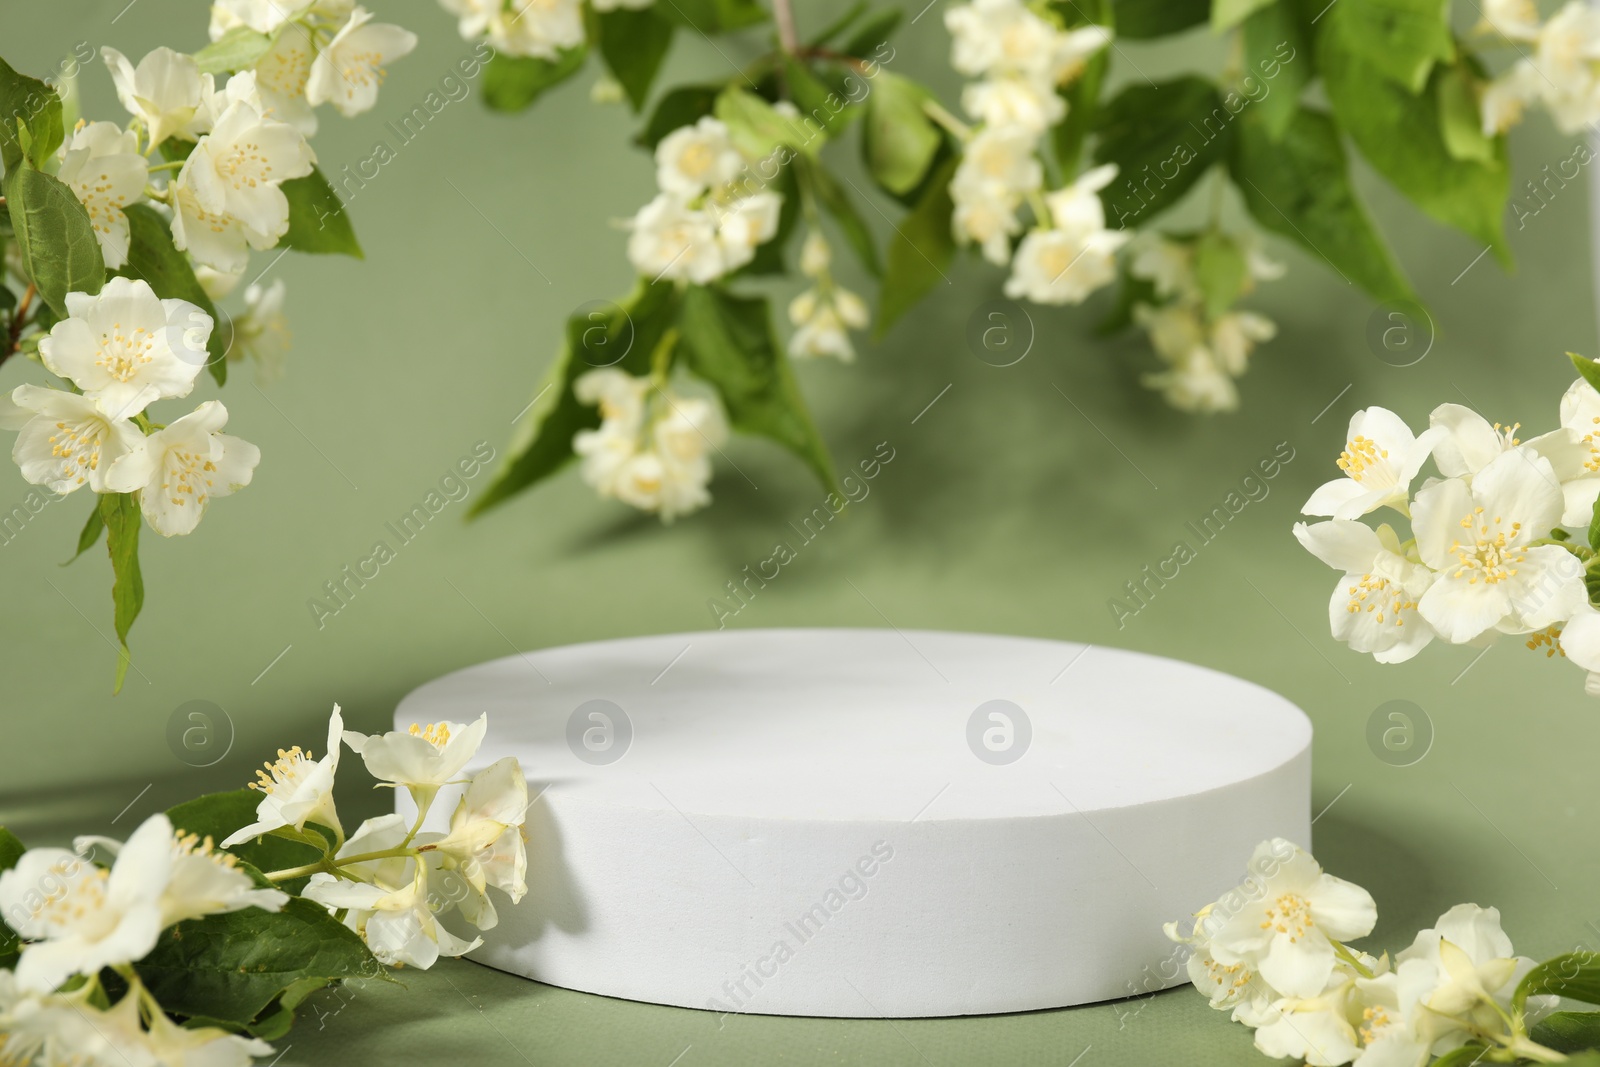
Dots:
(830, 725)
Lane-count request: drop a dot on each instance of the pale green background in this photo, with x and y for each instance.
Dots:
(1004, 511)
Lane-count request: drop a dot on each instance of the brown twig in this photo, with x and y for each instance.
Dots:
(18, 321)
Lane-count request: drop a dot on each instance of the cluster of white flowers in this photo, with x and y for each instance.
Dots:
(1271, 952)
(1022, 61)
(542, 29)
(248, 137)
(1490, 552)
(1204, 353)
(1559, 68)
(652, 449)
(398, 881)
(824, 314)
(705, 222)
(76, 918)
(232, 148)
(122, 350)
(323, 52)
(389, 882)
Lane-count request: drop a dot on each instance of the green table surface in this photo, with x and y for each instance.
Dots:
(1020, 502)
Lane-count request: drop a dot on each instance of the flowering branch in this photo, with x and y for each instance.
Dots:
(1270, 952)
(1506, 539)
(173, 903)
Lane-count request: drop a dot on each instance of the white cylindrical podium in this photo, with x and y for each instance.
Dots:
(872, 823)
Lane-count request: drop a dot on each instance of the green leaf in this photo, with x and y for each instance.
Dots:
(1277, 54)
(1460, 123)
(317, 218)
(920, 250)
(592, 337)
(1398, 40)
(1575, 975)
(238, 49)
(1401, 135)
(873, 34)
(1300, 187)
(54, 236)
(11, 850)
(727, 340)
(838, 25)
(715, 16)
(153, 258)
(633, 42)
(1465, 1056)
(219, 815)
(683, 106)
(33, 106)
(120, 513)
(90, 535)
(837, 202)
(233, 967)
(755, 127)
(1140, 20)
(1162, 138)
(1082, 97)
(899, 140)
(1221, 271)
(819, 105)
(1568, 1031)
(1226, 14)
(512, 83)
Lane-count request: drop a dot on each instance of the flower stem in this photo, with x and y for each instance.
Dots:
(938, 114)
(1350, 957)
(783, 16)
(173, 164)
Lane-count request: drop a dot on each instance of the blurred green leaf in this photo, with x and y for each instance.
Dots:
(512, 83)
(1398, 40)
(11, 850)
(755, 127)
(1139, 20)
(1278, 54)
(1226, 14)
(715, 16)
(728, 341)
(899, 140)
(919, 252)
(1401, 135)
(1162, 138)
(873, 34)
(1220, 269)
(633, 43)
(593, 337)
(819, 104)
(1083, 95)
(1460, 122)
(238, 49)
(1300, 187)
(836, 201)
(683, 106)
